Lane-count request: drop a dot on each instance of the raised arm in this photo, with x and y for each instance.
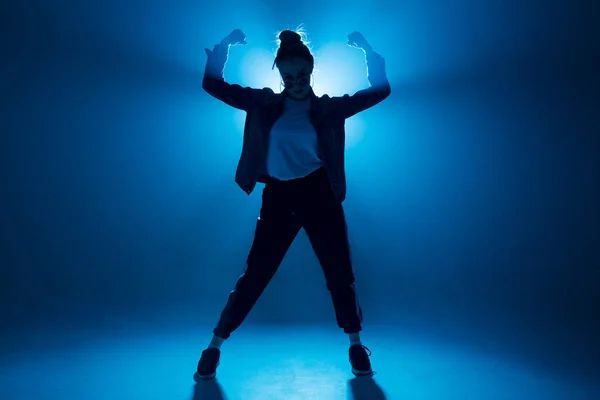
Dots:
(379, 90)
(214, 82)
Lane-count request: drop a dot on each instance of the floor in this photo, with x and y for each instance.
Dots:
(292, 363)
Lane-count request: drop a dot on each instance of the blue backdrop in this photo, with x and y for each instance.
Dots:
(473, 190)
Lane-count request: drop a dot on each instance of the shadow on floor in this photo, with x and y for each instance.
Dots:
(365, 388)
(208, 390)
(361, 388)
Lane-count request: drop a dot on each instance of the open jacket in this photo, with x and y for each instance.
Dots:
(264, 107)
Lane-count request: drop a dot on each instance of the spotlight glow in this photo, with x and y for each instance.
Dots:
(257, 70)
(336, 73)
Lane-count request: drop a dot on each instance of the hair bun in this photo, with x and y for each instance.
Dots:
(289, 37)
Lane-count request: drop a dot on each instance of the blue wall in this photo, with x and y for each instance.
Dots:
(473, 190)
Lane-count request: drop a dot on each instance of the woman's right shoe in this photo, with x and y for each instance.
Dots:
(207, 366)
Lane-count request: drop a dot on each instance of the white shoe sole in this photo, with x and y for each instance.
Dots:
(204, 377)
(362, 373)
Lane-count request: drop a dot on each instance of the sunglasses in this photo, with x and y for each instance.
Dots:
(289, 83)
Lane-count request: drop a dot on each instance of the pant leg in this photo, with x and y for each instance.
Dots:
(276, 229)
(325, 225)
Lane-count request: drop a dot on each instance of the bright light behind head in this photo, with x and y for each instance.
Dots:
(257, 72)
(339, 70)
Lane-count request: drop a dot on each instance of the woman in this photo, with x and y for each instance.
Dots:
(294, 143)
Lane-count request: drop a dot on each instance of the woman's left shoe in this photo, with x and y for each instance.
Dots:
(359, 358)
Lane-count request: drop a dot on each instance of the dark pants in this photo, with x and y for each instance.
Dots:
(288, 206)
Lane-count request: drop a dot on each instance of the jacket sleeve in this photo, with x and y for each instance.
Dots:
(214, 83)
(379, 90)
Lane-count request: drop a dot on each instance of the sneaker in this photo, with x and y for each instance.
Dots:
(207, 366)
(359, 358)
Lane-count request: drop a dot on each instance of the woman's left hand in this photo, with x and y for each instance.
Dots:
(356, 39)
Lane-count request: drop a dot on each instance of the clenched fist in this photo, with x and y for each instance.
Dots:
(235, 38)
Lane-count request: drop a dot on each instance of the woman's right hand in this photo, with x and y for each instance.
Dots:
(235, 38)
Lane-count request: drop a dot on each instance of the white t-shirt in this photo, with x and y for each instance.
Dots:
(293, 147)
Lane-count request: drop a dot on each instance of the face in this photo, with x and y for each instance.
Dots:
(295, 73)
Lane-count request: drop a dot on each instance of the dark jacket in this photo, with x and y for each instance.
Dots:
(264, 107)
